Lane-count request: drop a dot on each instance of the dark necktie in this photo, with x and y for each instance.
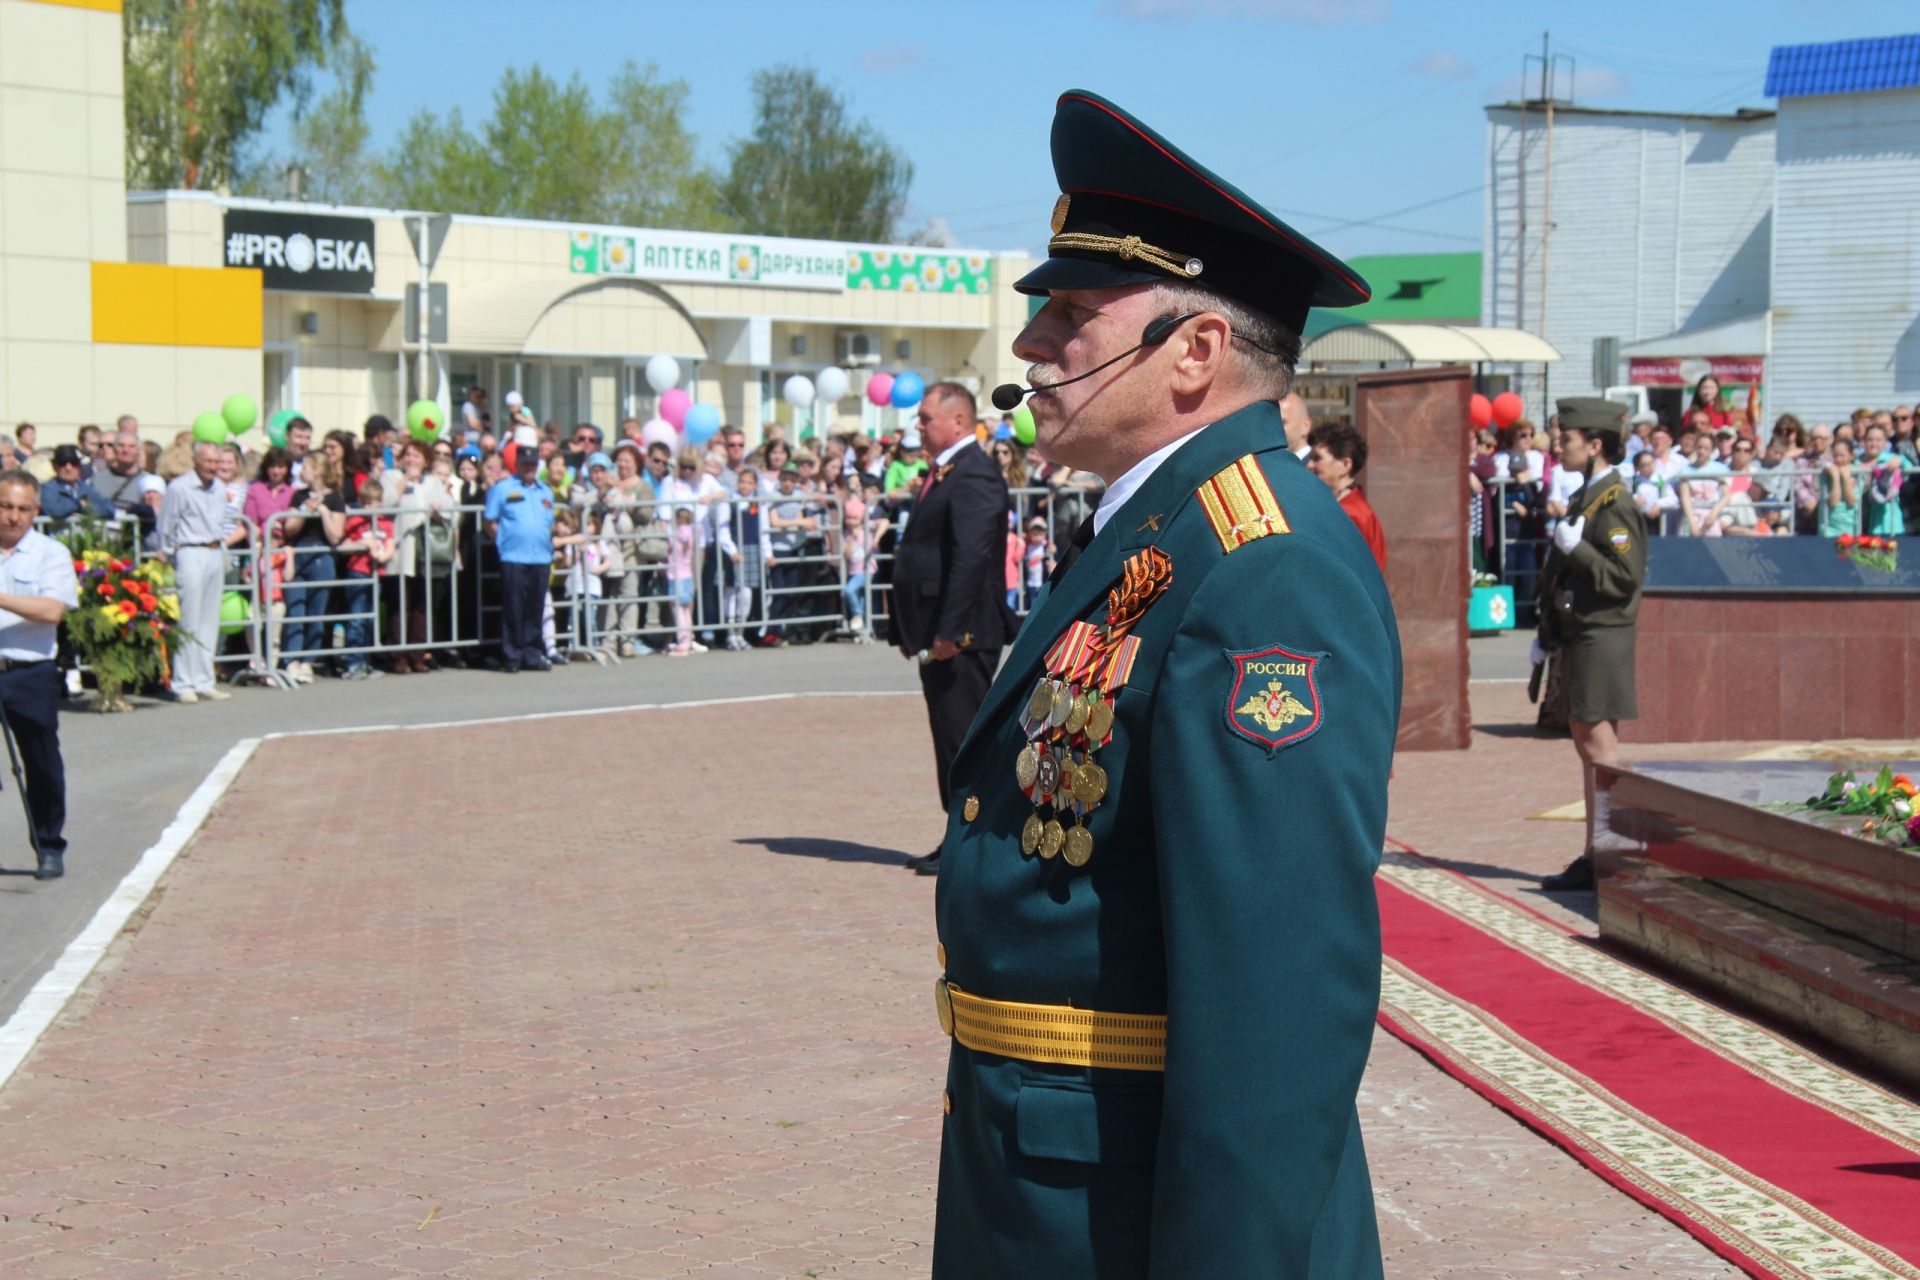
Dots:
(1081, 537)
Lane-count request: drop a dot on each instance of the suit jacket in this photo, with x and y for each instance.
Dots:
(1229, 889)
(949, 576)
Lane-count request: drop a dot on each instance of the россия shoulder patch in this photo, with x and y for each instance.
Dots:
(1273, 700)
(1240, 504)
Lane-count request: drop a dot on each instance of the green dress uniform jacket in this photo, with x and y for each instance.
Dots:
(1229, 888)
(1607, 566)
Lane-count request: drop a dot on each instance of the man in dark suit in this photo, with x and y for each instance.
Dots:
(949, 585)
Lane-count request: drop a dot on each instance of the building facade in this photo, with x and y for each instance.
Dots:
(1846, 241)
(569, 315)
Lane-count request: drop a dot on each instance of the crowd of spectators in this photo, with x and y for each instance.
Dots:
(1715, 475)
(373, 553)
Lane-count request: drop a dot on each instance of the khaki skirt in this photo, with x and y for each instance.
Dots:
(1599, 674)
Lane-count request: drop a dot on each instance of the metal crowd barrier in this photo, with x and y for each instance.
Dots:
(1518, 559)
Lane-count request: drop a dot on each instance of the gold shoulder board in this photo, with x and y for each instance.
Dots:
(1240, 506)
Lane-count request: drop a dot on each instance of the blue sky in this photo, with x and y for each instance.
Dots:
(1358, 120)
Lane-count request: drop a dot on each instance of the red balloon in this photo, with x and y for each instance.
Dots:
(1479, 411)
(1507, 408)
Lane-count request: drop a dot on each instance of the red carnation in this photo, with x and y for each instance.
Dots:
(1845, 539)
(104, 589)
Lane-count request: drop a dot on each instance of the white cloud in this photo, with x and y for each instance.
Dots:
(893, 59)
(1317, 13)
(1441, 64)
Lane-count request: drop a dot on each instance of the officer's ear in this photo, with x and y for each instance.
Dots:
(1200, 348)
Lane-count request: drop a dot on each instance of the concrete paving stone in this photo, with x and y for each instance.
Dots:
(627, 1064)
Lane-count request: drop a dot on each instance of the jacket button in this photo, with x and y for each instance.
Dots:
(940, 953)
(946, 1102)
(971, 809)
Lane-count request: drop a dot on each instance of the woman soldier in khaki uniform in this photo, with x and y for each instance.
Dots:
(1589, 600)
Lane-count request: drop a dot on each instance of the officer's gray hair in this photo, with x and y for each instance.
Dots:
(1270, 371)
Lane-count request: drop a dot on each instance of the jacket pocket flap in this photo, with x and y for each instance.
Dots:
(1073, 1121)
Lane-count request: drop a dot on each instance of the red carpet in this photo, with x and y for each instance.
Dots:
(1776, 1158)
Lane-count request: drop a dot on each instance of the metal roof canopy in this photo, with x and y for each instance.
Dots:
(1750, 335)
(1427, 344)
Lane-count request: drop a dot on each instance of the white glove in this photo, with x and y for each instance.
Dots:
(1566, 534)
(1536, 655)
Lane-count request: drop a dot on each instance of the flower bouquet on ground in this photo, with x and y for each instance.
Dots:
(1866, 549)
(1883, 809)
(127, 615)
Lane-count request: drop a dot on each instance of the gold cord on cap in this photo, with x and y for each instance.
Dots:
(1127, 249)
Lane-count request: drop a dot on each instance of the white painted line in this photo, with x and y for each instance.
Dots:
(595, 711)
(37, 1011)
(42, 1005)
(1499, 680)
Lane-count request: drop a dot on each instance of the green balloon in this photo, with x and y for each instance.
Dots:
(1023, 425)
(235, 612)
(240, 413)
(210, 428)
(277, 427)
(423, 420)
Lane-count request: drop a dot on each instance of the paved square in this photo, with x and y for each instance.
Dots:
(641, 994)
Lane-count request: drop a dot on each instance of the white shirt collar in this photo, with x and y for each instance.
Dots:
(952, 451)
(1127, 485)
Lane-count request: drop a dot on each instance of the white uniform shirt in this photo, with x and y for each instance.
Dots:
(1129, 484)
(37, 566)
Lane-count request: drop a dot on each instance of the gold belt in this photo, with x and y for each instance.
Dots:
(1052, 1033)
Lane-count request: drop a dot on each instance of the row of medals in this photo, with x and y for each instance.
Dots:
(1065, 725)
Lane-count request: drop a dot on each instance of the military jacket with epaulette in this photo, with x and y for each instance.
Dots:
(1609, 563)
(1158, 938)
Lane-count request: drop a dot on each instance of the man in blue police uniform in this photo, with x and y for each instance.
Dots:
(1157, 926)
(37, 587)
(519, 515)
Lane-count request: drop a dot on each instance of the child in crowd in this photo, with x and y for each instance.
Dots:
(579, 559)
(367, 544)
(743, 532)
(680, 581)
(1016, 553)
(856, 549)
(1839, 492)
(1037, 556)
(1880, 512)
(1649, 488)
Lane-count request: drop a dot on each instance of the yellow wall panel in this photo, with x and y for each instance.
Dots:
(220, 307)
(154, 304)
(103, 6)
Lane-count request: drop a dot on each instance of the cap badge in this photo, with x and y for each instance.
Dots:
(1060, 207)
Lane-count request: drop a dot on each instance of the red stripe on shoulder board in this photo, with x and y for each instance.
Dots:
(1251, 213)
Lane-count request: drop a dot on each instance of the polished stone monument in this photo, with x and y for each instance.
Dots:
(1794, 914)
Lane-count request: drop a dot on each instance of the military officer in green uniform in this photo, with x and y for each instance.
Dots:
(1158, 939)
(1589, 600)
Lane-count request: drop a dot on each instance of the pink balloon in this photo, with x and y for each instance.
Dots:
(880, 389)
(674, 404)
(659, 431)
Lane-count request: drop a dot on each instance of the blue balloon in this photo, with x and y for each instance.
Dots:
(907, 390)
(703, 420)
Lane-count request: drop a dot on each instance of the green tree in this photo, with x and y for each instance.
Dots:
(806, 169)
(548, 150)
(201, 76)
(329, 142)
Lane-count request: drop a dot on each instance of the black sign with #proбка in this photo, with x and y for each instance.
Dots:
(308, 252)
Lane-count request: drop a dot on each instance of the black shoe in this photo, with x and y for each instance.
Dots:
(1577, 878)
(926, 864)
(51, 867)
(539, 664)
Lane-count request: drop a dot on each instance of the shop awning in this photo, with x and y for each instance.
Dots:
(1750, 335)
(1382, 343)
(503, 315)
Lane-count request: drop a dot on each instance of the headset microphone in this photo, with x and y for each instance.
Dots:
(1007, 395)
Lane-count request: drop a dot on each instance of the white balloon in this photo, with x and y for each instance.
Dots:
(831, 383)
(659, 431)
(663, 374)
(797, 391)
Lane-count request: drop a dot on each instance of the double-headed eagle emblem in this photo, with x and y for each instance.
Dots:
(1273, 709)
